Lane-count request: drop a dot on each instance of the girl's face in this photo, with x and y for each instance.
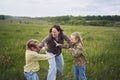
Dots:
(54, 33)
(36, 48)
(73, 39)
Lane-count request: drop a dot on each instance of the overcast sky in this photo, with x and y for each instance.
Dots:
(42, 8)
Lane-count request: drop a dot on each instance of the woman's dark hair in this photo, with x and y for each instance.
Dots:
(56, 27)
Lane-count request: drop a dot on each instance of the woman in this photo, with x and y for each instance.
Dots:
(55, 64)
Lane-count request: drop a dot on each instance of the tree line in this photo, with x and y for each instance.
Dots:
(110, 20)
(85, 20)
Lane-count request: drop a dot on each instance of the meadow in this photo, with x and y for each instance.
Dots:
(102, 46)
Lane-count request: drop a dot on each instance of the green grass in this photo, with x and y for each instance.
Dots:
(102, 45)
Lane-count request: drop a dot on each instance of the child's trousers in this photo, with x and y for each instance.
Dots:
(31, 75)
(79, 72)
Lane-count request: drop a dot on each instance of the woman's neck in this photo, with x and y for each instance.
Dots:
(56, 38)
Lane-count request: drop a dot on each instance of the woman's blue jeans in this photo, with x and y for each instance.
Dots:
(79, 72)
(31, 75)
(56, 65)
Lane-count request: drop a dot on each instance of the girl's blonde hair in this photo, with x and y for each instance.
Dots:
(77, 36)
(31, 43)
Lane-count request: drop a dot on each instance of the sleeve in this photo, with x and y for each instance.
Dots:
(41, 45)
(68, 41)
(66, 38)
(76, 51)
(65, 46)
(37, 57)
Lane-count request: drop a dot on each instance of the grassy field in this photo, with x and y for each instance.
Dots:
(102, 45)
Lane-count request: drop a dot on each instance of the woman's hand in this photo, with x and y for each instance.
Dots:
(57, 44)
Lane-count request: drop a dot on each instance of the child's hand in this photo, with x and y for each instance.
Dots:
(57, 44)
(45, 45)
(53, 56)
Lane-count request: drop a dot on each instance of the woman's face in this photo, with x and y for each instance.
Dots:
(54, 33)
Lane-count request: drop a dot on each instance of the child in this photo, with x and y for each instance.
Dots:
(32, 57)
(77, 52)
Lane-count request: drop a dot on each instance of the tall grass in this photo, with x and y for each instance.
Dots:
(102, 45)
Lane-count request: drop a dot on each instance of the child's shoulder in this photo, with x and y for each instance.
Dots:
(79, 45)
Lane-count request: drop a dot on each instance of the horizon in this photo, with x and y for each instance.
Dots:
(56, 16)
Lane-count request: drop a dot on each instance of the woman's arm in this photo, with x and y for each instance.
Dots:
(68, 41)
(61, 45)
(43, 43)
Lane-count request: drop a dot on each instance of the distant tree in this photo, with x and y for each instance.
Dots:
(2, 17)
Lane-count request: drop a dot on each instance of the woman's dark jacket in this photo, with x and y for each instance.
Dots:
(51, 46)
